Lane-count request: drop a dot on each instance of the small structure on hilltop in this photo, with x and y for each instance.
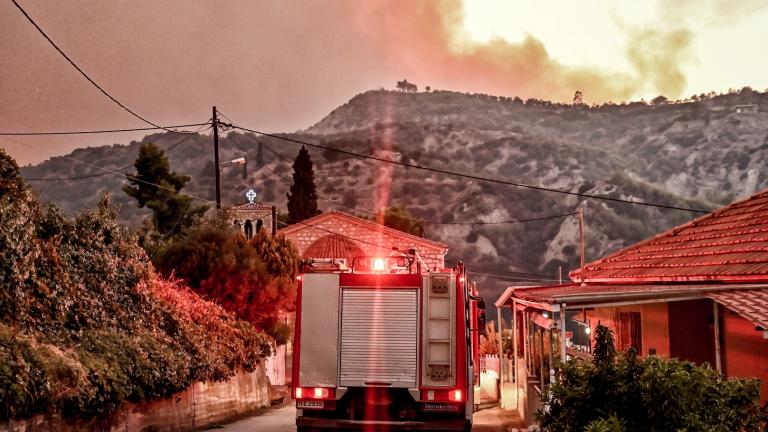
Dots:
(745, 109)
(341, 235)
(252, 217)
(578, 98)
(405, 86)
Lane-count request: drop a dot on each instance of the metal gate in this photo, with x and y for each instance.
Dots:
(379, 337)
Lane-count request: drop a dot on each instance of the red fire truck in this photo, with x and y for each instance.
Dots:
(385, 343)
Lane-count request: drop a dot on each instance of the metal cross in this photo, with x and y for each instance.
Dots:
(251, 195)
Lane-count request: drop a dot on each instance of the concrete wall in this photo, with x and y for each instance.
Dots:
(198, 406)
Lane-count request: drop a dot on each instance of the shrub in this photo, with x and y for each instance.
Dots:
(622, 393)
(85, 323)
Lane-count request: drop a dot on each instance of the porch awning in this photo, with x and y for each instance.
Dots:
(752, 304)
(541, 321)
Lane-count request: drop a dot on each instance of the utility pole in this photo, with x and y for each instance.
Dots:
(581, 242)
(215, 125)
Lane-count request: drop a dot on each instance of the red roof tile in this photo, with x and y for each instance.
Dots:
(751, 304)
(727, 245)
(333, 246)
(251, 206)
(335, 214)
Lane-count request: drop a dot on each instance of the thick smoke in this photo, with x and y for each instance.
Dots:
(427, 42)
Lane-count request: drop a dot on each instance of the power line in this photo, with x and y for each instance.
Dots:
(373, 213)
(71, 62)
(102, 131)
(87, 176)
(510, 277)
(470, 176)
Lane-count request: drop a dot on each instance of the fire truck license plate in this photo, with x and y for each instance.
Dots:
(310, 404)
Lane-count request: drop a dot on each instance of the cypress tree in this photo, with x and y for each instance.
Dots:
(172, 212)
(302, 199)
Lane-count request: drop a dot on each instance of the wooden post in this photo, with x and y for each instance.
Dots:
(581, 243)
(541, 358)
(215, 125)
(514, 338)
(562, 332)
(718, 360)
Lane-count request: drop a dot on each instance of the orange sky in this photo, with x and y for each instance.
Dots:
(281, 65)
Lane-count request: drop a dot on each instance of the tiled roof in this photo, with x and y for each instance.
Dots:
(576, 294)
(251, 206)
(333, 246)
(751, 304)
(727, 245)
(316, 220)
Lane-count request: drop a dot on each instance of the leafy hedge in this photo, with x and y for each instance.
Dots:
(86, 324)
(621, 393)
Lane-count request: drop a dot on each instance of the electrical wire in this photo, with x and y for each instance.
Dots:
(470, 176)
(129, 177)
(507, 222)
(102, 131)
(87, 176)
(71, 62)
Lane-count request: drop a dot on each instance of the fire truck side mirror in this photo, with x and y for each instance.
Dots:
(481, 320)
(480, 303)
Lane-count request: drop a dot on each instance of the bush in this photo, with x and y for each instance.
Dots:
(85, 323)
(255, 279)
(622, 393)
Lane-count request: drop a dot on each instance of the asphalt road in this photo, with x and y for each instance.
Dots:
(283, 419)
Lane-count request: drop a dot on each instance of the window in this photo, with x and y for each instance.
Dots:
(629, 331)
(248, 229)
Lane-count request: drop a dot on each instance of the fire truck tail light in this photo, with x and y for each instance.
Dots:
(313, 393)
(456, 395)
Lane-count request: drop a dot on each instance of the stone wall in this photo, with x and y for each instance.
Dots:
(367, 239)
(200, 405)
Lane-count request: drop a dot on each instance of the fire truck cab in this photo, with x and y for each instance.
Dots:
(384, 343)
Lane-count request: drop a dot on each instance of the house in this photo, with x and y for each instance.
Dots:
(744, 109)
(340, 235)
(697, 292)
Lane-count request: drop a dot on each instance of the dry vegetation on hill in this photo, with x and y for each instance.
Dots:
(698, 154)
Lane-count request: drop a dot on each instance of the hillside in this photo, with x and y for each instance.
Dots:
(697, 154)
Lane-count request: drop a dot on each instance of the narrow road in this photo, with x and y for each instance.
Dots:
(283, 419)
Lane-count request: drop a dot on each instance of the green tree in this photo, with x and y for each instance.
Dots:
(156, 187)
(397, 217)
(302, 199)
(254, 278)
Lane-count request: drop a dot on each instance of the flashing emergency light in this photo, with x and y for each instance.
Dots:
(545, 314)
(379, 264)
(587, 330)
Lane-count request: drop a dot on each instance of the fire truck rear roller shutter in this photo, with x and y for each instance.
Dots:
(379, 334)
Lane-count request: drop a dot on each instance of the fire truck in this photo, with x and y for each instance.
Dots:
(385, 343)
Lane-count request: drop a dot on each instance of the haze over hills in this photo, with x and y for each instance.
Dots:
(699, 154)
